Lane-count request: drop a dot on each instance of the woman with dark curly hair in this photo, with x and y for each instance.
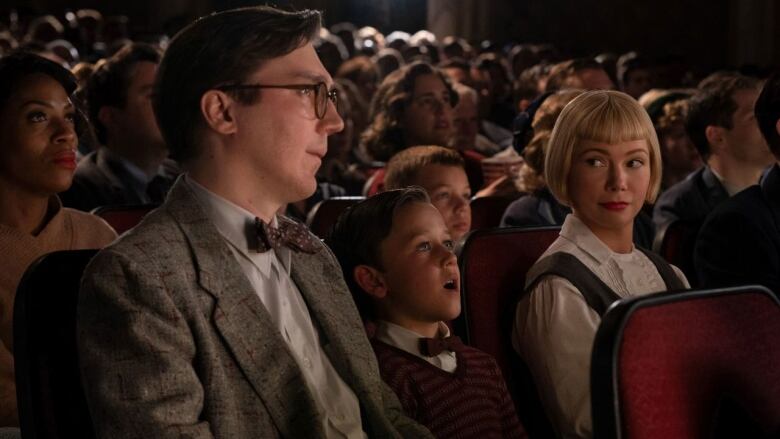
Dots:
(413, 106)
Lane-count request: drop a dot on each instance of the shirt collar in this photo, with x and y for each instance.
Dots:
(405, 339)
(235, 224)
(579, 234)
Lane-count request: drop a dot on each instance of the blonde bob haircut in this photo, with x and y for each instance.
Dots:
(605, 116)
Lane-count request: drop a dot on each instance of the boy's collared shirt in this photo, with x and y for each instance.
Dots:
(269, 275)
(409, 341)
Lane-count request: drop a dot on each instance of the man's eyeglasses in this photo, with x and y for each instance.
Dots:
(321, 93)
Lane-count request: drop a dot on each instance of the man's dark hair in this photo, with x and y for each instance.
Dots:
(19, 65)
(108, 84)
(768, 112)
(560, 73)
(360, 230)
(220, 49)
(713, 105)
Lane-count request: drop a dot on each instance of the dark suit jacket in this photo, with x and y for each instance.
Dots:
(101, 180)
(542, 209)
(175, 342)
(690, 200)
(740, 241)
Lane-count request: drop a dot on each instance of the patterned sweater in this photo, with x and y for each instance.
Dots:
(67, 230)
(472, 402)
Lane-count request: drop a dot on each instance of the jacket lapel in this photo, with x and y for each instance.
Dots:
(342, 336)
(243, 321)
(771, 188)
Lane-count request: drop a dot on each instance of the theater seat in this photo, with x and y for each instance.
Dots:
(486, 212)
(675, 242)
(123, 217)
(48, 382)
(324, 214)
(493, 265)
(696, 364)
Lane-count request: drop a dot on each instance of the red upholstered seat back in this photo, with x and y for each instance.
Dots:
(123, 218)
(324, 214)
(493, 266)
(486, 212)
(673, 361)
(675, 243)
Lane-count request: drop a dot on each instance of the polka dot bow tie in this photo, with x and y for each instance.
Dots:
(290, 234)
(431, 347)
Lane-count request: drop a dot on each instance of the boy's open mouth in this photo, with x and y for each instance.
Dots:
(450, 284)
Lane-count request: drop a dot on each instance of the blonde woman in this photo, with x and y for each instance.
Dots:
(604, 163)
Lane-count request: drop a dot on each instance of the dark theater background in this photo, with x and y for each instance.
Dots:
(711, 34)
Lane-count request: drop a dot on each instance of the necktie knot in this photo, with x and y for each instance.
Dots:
(431, 347)
(289, 234)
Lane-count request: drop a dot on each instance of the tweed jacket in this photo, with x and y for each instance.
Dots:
(174, 341)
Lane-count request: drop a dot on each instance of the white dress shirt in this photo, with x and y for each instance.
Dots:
(409, 341)
(555, 328)
(269, 274)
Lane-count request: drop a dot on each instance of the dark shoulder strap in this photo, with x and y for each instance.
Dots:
(672, 281)
(597, 294)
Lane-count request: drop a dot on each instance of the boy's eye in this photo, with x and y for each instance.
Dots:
(449, 244)
(423, 246)
(71, 117)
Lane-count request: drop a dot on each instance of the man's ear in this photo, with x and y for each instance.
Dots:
(106, 116)
(218, 110)
(777, 127)
(371, 281)
(714, 135)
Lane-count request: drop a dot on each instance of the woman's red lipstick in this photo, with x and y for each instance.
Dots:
(66, 159)
(614, 205)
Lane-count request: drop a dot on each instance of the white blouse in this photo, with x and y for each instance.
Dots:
(554, 326)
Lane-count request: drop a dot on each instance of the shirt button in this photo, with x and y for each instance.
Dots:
(306, 362)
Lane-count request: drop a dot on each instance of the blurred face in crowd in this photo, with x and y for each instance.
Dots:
(466, 121)
(427, 119)
(744, 139)
(608, 185)
(449, 190)
(38, 138)
(679, 155)
(135, 123)
(638, 82)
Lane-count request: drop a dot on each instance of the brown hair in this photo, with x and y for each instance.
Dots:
(403, 168)
(216, 50)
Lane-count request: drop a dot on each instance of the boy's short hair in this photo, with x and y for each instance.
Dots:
(403, 168)
(768, 112)
(220, 49)
(360, 230)
(601, 116)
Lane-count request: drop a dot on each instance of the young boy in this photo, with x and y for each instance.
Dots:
(440, 171)
(396, 255)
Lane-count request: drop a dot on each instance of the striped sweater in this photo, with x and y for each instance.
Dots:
(472, 402)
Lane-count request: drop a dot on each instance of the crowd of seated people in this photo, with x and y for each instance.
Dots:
(236, 139)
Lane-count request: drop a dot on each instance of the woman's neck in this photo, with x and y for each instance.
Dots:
(618, 240)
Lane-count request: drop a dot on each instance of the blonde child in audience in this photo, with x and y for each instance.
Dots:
(440, 171)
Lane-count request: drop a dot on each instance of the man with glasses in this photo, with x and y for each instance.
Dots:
(216, 317)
